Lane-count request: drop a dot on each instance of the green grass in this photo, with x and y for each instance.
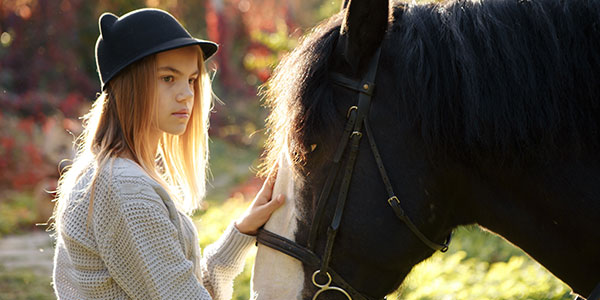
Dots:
(24, 284)
(16, 212)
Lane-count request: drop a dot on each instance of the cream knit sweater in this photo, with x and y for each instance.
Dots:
(138, 245)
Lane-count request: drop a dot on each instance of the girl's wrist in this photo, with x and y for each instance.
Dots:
(243, 228)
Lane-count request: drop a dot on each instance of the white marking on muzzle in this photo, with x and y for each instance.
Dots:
(277, 275)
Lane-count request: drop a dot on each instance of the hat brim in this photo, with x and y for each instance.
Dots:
(208, 49)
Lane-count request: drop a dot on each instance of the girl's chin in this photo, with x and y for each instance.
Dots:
(175, 131)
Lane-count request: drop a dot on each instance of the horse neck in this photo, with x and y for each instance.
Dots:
(550, 212)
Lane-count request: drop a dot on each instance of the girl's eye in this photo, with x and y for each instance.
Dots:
(167, 78)
(192, 80)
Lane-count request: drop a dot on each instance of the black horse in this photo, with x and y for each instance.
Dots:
(484, 112)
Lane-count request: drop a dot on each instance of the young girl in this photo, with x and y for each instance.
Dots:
(121, 224)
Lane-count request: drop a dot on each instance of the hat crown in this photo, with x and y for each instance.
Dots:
(140, 29)
(126, 39)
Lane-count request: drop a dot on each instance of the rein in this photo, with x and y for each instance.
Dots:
(357, 117)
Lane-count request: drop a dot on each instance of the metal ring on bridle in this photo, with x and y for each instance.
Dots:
(325, 287)
(353, 107)
(356, 133)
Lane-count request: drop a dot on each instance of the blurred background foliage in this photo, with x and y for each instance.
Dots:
(48, 80)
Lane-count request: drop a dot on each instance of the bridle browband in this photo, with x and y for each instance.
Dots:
(357, 117)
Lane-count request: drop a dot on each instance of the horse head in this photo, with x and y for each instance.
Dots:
(453, 134)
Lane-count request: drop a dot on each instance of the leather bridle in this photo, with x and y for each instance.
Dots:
(357, 121)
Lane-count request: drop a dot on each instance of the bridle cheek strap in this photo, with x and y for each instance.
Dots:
(394, 202)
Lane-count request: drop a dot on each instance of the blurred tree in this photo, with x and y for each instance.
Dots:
(223, 29)
(44, 56)
(47, 57)
(46, 46)
(44, 53)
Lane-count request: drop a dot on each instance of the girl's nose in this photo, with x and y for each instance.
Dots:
(186, 93)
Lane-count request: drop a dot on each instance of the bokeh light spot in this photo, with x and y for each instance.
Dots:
(65, 6)
(244, 6)
(24, 12)
(5, 39)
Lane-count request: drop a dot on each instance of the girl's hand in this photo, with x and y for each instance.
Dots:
(261, 208)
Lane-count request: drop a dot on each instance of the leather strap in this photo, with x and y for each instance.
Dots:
(288, 247)
(362, 112)
(307, 257)
(326, 191)
(341, 202)
(350, 84)
(394, 202)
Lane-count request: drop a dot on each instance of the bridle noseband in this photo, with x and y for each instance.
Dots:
(357, 117)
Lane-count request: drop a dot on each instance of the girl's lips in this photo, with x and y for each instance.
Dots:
(181, 114)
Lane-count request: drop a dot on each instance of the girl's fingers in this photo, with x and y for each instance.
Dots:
(277, 202)
(268, 208)
(273, 173)
(265, 193)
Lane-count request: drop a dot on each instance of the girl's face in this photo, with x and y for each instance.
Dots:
(177, 75)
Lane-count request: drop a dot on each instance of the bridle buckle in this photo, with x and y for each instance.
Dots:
(353, 107)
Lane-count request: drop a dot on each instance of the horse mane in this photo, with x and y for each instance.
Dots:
(299, 96)
(511, 79)
(507, 78)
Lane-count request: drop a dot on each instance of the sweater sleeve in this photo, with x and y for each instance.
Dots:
(140, 246)
(224, 260)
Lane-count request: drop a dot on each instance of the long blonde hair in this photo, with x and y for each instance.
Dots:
(120, 123)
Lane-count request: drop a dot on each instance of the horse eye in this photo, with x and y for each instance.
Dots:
(313, 147)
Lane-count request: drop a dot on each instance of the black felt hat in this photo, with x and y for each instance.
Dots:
(126, 39)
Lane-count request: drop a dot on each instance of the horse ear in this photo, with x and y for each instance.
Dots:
(363, 28)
